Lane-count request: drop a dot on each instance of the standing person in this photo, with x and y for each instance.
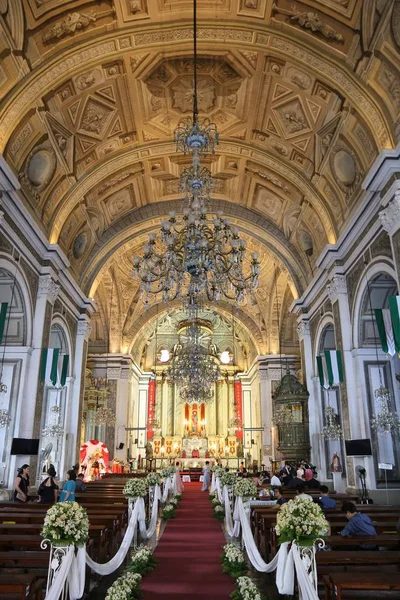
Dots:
(178, 480)
(79, 484)
(21, 484)
(68, 491)
(49, 487)
(206, 477)
(241, 467)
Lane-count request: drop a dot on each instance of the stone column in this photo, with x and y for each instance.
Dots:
(353, 410)
(266, 415)
(170, 429)
(75, 409)
(390, 221)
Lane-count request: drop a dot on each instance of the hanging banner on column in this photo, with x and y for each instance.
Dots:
(54, 367)
(330, 369)
(238, 407)
(385, 330)
(3, 314)
(394, 307)
(151, 405)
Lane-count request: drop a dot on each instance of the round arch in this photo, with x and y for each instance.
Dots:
(14, 269)
(60, 322)
(325, 322)
(371, 271)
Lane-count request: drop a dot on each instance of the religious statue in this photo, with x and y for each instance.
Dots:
(149, 451)
(239, 450)
(336, 466)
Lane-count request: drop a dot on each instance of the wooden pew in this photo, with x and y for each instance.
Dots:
(22, 587)
(359, 581)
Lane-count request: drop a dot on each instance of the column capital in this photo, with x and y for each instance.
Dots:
(84, 329)
(303, 329)
(336, 287)
(114, 373)
(390, 216)
(48, 288)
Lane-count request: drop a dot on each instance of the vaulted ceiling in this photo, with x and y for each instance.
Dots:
(304, 97)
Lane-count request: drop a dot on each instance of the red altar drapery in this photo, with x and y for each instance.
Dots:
(238, 407)
(151, 404)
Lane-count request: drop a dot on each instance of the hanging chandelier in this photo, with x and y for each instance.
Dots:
(196, 254)
(332, 430)
(235, 424)
(104, 416)
(54, 429)
(386, 421)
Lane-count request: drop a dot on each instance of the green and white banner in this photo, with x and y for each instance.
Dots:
(3, 314)
(330, 369)
(54, 367)
(388, 322)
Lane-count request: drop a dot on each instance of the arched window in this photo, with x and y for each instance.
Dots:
(58, 339)
(10, 292)
(380, 371)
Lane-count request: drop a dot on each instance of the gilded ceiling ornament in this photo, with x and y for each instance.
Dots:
(275, 182)
(110, 183)
(183, 95)
(311, 21)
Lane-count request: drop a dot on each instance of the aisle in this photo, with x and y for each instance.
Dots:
(189, 554)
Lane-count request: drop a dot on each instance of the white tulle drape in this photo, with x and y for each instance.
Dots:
(73, 568)
(218, 488)
(168, 487)
(285, 561)
(212, 483)
(233, 530)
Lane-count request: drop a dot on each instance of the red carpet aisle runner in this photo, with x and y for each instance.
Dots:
(189, 554)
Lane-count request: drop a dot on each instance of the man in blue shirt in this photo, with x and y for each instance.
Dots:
(324, 500)
(359, 524)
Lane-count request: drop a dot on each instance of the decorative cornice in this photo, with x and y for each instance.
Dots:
(114, 373)
(337, 286)
(390, 216)
(48, 288)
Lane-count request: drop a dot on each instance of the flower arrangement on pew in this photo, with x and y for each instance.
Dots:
(219, 471)
(153, 479)
(125, 587)
(233, 561)
(301, 521)
(178, 496)
(65, 524)
(168, 511)
(245, 488)
(143, 561)
(219, 512)
(167, 472)
(246, 589)
(174, 501)
(213, 495)
(135, 488)
(228, 478)
(215, 501)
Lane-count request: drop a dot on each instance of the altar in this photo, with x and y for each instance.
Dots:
(194, 447)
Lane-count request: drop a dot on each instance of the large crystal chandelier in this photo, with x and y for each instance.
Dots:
(386, 421)
(196, 254)
(54, 429)
(332, 430)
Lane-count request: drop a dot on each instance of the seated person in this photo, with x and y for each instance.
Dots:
(275, 481)
(324, 500)
(264, 478)
(298, 480)
(278, 496)
(359, 524)
(301, 492)
(311, 482)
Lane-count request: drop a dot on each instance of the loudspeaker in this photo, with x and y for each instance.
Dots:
(121, 446)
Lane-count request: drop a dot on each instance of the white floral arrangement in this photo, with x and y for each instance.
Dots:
(168, 511)
(174, 502)
(167, 472)
(66, 523)
(233, 561)
(246, 488)
(135, 488)
(125, 587)
(228, 478)
(153, 479)
(219, 512)
(142, 561)
(215, 501)
(301, 521)
(219, 471)
(246, 589)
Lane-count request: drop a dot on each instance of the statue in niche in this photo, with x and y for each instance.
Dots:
(239, 450)
(336, 466)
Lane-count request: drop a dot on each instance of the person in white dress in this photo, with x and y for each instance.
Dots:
(178, 480)
(275, 481)
(206, 477)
